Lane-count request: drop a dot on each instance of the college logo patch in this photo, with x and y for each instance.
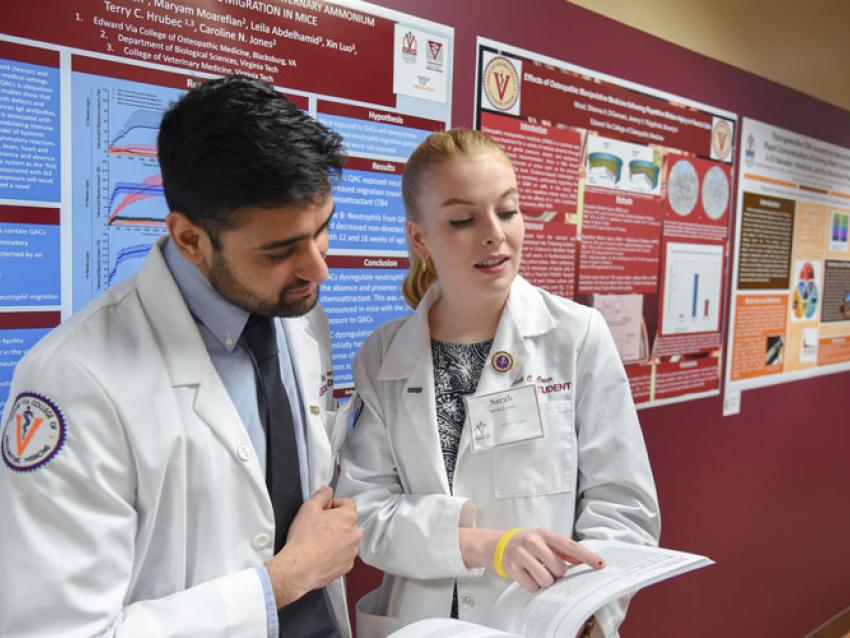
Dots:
(33, 434)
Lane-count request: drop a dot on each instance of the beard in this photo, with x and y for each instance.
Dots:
(224, 282)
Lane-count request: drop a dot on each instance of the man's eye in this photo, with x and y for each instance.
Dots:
(460, 223)
(278, 256)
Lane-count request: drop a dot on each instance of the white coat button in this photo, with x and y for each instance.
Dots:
(262, 540)
(467, 600)
(243, 452)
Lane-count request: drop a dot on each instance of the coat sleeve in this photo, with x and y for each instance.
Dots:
(616, 497)
(69, 533)
(409, 535)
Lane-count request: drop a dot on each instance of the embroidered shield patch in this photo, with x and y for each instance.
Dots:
(33, 434)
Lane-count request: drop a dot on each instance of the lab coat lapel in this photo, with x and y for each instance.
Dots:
(524, 316)
(305, 354)
(408, 360)
(187, 360)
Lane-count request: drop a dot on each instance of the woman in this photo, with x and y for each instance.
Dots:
(438, 500)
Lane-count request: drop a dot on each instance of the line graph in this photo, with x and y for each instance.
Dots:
(122, 211)
(119, 208)
(137, 137)
(139, 251)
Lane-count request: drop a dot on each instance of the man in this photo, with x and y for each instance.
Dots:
(161, 446)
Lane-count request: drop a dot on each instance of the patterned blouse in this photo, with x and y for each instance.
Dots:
(457, 369)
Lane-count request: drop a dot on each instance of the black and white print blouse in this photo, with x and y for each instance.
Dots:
(457, 369)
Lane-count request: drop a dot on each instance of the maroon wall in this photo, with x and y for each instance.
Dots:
(765, 493)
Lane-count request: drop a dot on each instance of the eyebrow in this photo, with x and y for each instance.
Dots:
(465, 202)
(294, 240)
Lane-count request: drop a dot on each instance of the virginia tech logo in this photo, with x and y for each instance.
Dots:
(409, 47)
(501, 83)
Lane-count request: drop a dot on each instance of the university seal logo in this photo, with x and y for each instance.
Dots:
(501, 83)
(33, 434)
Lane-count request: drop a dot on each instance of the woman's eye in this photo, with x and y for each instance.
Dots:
(460, 223)
(508, 214)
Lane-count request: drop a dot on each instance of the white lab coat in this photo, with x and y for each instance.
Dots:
(589, 477)
(150, 518)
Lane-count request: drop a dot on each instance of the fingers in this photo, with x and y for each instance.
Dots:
(321, 498)
(534, 558)
(571, 550)
(342, 503)
(531, 563)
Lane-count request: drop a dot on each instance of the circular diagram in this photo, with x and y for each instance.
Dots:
(683, 187)
(715, 192)
(805, 298)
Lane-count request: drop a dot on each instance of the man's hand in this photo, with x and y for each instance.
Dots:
(533, 557)
(320, 546)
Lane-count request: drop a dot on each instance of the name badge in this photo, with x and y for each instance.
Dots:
(504, 417)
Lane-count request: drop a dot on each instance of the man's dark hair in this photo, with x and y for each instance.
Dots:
(234, 143)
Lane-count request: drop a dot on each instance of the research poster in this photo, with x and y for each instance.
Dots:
(81, 97)
(626, 193)
(790, 315)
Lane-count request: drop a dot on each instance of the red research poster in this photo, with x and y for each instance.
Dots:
(790, 314)
(84, 86)
(626, 194)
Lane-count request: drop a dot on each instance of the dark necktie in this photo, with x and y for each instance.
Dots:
(308, 616)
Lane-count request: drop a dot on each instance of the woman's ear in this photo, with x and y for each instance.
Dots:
(417, 242)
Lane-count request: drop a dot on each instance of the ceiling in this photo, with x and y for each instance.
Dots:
(803, 45)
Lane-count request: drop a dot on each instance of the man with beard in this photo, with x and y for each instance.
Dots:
(168, 450)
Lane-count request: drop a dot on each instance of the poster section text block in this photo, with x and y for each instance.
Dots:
(361, 294)
(29, 123)
(29, 256)
(20, 331)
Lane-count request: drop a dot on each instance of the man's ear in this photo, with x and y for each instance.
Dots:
(414, 236)
(190, 239)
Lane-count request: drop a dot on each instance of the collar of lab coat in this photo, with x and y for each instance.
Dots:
(180, 342)
(525, 315)
(188, 364)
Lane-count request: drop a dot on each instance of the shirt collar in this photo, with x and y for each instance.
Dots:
(223, 319)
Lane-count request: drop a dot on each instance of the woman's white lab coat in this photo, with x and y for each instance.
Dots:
(588, 477)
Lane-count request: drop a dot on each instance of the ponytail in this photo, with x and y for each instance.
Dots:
(420, 276)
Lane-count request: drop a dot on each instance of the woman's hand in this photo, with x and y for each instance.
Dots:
(532, 557)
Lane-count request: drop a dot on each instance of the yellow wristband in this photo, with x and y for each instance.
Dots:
(499, 554)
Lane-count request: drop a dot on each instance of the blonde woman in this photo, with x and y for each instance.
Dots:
(454, 506)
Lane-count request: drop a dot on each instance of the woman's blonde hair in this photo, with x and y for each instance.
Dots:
(436, 149)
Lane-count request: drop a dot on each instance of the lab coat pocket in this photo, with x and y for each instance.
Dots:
(542, 466)
(371, 623)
